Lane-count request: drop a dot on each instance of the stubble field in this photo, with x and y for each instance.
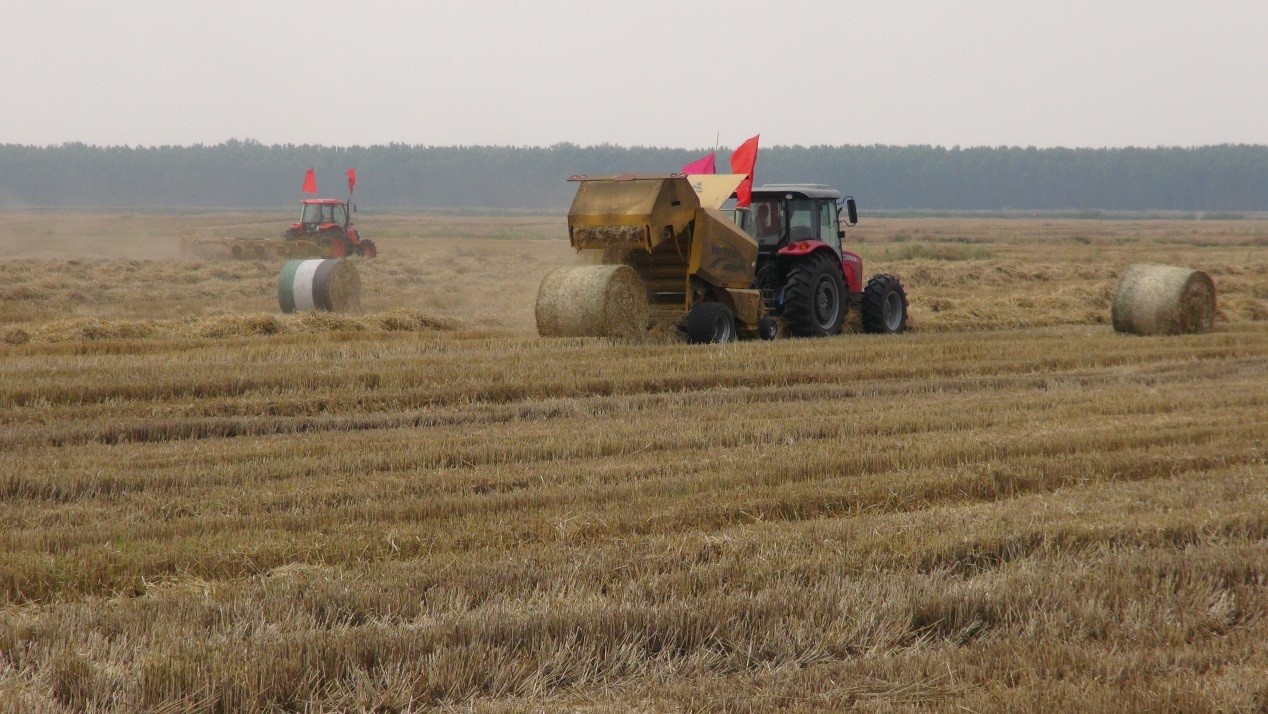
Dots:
(208, 506)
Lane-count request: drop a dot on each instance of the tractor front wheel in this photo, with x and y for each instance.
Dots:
(367, 248)
(709, 322)
(337, 246)
(812, 297)
(884, 309)
(767, 328)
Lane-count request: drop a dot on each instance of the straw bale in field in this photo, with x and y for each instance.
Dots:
(1163, 300)
(343, 287)
(330, 285)
(592, 301)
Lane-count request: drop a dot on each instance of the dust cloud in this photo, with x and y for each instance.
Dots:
(481, 270)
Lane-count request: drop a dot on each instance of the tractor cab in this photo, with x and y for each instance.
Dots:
(318, 212)
(787, 214)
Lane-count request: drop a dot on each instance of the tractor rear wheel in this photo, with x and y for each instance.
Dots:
(709, 322)
(884, 308)
(813, 305)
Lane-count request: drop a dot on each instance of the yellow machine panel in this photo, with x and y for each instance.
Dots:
(746, 304)
(721, 253)
(714, 189)
(633, 208)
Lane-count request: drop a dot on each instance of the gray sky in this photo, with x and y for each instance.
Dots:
(638, 72)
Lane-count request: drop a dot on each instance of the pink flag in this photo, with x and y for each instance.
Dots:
(352, 181)
(310, 181)
(702, 165)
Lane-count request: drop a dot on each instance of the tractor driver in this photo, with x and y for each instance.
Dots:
(768, 223)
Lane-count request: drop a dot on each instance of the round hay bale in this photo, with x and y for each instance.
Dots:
(329, 285)
(592, 301)
(1163, 300)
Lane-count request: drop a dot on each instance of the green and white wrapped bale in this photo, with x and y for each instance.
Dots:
(1163, 300)
(329, 285)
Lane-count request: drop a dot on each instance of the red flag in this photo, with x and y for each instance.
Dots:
(352, 181)
(702, 165)
(743, 161)
(310, 181)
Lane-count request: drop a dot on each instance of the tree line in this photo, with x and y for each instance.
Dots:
(248, 174)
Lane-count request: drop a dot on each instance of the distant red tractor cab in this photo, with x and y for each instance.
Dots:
(328, 223)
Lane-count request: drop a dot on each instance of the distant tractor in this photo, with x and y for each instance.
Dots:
(327, 222)
(324, 230)
(675, 252)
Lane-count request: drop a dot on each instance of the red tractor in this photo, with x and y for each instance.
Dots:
(806, 278)
(327, 222)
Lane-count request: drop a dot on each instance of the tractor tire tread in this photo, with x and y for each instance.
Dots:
(872, 310)
(799, 296)
(701, 323)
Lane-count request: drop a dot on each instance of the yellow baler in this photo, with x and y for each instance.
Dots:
(693, 262)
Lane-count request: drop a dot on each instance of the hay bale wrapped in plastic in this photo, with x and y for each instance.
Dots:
(329, 285)
(592, 301)
(1163, 300)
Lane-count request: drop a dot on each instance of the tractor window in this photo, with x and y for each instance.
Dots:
(311, 214)
(803, 223)
(766, 222)
(828, 224)
(340, 214)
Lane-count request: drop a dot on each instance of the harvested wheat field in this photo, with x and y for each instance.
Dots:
(211, 506)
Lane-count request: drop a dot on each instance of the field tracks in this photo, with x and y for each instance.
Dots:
(427, 506)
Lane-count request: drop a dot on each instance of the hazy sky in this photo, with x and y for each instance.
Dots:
(635, 72)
